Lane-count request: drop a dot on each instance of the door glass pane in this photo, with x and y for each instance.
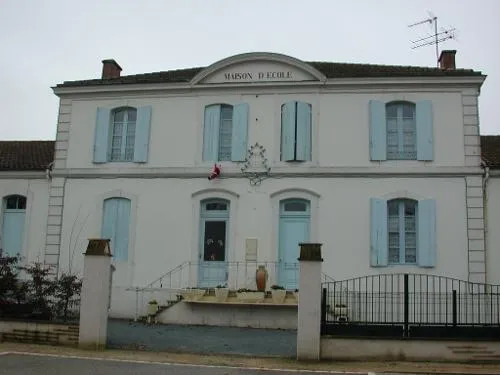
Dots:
(214, 241)
(216, 206)
(296, 206)
(11, 203)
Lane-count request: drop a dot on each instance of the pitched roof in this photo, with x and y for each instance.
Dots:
(26, 155)
(329, 69)
(490, 150)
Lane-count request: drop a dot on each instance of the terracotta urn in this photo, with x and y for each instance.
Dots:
(261, 278)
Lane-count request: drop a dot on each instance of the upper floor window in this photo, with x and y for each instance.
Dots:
(225, 132)
(403, 231)
(122, 134)
(401, 130)
(296, 120)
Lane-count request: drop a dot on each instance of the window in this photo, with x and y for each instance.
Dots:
(123, 134)
(296, 119)
(14, 208)
(401, 131)
(115, 226)
(402, 229)
(225, 132)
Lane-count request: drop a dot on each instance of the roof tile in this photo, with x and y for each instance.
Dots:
(26, 155)
(329, 69)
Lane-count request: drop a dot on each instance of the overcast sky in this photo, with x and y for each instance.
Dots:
(45, 42)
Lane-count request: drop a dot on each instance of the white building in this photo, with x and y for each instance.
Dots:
(380, 164)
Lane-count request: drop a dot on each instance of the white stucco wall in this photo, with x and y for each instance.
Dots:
(165, 224)
(493, 231)
(35, 224)
(340, 125)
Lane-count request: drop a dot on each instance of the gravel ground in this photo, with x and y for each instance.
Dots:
(123, 334)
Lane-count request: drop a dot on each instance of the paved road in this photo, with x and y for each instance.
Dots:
(123, 334)
(14, 364)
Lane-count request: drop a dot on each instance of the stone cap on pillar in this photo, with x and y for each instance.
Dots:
(98, 246)
(310, 252)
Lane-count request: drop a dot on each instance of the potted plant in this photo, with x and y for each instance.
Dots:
(221, 293)
(278, 293)
(296, 295)
(248, 295)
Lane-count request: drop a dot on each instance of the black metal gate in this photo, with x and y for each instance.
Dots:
(410, 306)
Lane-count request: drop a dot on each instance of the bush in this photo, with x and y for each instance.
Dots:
(38, 295)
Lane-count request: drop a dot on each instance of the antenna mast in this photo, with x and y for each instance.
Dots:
(436, 38)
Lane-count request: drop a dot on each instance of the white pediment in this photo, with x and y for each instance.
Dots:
(257, 67)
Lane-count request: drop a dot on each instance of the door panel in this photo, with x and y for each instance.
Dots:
(213, 266)
(293, 230)
(12, 232)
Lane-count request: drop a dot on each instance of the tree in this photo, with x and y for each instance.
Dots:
(40, 288)
(67, 292)
(10, 285)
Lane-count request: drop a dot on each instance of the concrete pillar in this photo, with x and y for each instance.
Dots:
(95, 295)
(309, 313)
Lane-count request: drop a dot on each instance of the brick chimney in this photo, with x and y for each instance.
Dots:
(447, 60)
(110, 69)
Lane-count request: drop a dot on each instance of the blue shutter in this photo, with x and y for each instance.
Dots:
(211, 133)
(303, 131)
(288, 131)
(122, 229)
(378, 131)
(109, 221)
(142, 130)
(426, 254)
(240, 132)
(378, 237)
(425, 143)
(101, 136)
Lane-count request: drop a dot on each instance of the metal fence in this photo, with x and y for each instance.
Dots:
(411, 306)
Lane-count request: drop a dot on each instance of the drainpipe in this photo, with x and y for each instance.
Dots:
(486, 177)
(48, 170)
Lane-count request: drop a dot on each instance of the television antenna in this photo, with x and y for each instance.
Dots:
(434, 39)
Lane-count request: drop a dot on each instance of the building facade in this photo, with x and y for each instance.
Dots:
(380, 164)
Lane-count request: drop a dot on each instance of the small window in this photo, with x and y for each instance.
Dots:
(401, 131)
(216, 206)
(123, 134)
(15, 202)
(295, 207)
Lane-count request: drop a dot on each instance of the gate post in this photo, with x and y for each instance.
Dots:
(309, 310)
(95, 295)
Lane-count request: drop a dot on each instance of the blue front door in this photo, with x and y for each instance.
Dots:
(213, 266)
(14, 208)
(294, 228)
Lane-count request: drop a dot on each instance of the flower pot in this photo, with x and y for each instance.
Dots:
(278, 295)
(192, 294)
(261, 278)
(152, 308)
(296, 295)
(221, 294)
(250, 296)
